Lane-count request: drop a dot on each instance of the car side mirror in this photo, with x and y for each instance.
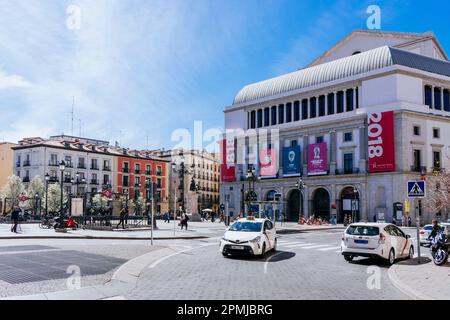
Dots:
(408, 236)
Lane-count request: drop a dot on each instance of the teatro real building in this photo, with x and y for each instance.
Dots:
(344, 134)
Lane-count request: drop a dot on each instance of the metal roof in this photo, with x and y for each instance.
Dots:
(371, 60)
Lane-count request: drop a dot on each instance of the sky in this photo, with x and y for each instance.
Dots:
(140, 72)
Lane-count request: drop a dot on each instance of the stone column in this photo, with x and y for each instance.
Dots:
(333, 152)
(432, 98)
(305, 155)
(326, 104)
(345, 100)
(354, 98)
(363, 147)
(306, 209)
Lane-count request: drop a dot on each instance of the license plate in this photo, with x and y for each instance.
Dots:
(237, 247)
(362, 241)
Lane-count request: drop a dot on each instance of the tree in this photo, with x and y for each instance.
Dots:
(100, 203)
(54, 197)
(36, 187)
(13, 190)
(438, 198)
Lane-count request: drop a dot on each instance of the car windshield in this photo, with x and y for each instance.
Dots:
(246, 226)
(363, 231)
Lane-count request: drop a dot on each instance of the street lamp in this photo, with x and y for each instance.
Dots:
(62, 167)
(126, 198)
(251, 178)
(36, 197)
(174, 166)
(47, 179)
(355, 192)
(300, 185)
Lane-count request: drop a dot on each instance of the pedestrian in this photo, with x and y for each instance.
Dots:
(123, 214)
(374, 218)
(15, 218)
(167, 217)
(212, 216)
(409, 221)
(184, 221)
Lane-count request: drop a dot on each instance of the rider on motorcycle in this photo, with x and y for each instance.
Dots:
(435, 230)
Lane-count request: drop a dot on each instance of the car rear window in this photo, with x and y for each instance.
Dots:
(363, 231)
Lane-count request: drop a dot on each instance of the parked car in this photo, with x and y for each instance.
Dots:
(249, 236)
(424, 234)
(376, 240)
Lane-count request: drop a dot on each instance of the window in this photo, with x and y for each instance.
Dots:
(148, 169)
(125, 167)
(106, 165)
(348, 136)
(417, 162)
(416, 130)
(446, 100)
(159, 183)
(106, 179)
(53, 160)
(436, 133)
(304, 109)
(330, 103)
(340, 102)
(437, 99)
(274, 115)
(321, 106)
(281, 113)
(428, 97)
(312, 107)
(319, 139)
(125, 181)
(81, 163)
(68, 161)
(348, 163)
(294, 143)
(137, 181)
(349, 101)
(436, 160)
(253, 119)
(266, 117)
(94, 164)
(260, 123)
(288, 112)
(137, 168)
(296, 110)
(158, 170)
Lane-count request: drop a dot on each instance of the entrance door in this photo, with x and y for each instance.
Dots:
(321, 204)
(293, 206)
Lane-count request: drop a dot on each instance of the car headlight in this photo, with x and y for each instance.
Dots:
(257, 239)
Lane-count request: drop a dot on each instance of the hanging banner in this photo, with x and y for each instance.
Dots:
(77, 207)
(291, 161)
(380, 133)
(227, 165)
(317, 159)
(268, 163)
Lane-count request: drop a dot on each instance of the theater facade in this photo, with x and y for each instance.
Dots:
(343, 135)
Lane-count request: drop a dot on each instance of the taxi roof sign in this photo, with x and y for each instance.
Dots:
(416, 189)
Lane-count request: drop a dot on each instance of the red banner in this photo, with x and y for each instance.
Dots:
(380, 133)
(227, 165)
(268, 162)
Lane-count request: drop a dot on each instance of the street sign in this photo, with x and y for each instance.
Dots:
(416, 189)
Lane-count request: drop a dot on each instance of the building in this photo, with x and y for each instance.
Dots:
(6, 158)
(138, 173)
(195, 179)
(343, 135)
(88, 162)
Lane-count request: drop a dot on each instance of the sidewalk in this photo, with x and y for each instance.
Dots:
(424, 281)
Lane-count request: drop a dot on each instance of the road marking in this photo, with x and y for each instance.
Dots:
(315, 247)
(328, 249)
(299, 245)
(287, 242)
(154, 264)
(266, 263)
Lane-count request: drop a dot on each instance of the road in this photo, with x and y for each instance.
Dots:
(306, 266)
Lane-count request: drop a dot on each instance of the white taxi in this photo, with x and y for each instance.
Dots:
(252, 236)
(376, 240)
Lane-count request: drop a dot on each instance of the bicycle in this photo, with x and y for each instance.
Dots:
(46, 223)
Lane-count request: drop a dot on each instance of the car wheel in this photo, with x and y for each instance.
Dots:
(411, 253)
(263, 252)
(348, 258)
(391, 257)
(225, 255)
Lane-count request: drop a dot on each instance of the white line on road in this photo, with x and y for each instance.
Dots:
(154, 264)
(299, 245)
(329, 249)
(315, 247)
(266, 263)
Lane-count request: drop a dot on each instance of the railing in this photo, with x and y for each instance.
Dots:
(106, 169)
(125, 170)
(110, 222)
(69, 165)
(137, 171)
(52, 164)
(26, 179)
(95, 182)
(148, 173)
(18, 164)
(81, 166)
(347, 171)
(415, 168)
(53, 179)
(67, 180)
(94, 168)
(158, 173)
(26, 163)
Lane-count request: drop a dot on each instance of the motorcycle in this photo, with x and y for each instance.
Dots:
(440, 248)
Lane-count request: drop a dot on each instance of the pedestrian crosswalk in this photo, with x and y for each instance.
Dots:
(303, 245)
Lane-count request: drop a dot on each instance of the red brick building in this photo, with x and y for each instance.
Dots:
(136, 170)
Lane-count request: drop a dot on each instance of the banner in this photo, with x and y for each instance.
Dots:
(227, 165)
(268, 163)
(317, 159)
(380, 133)
(77, 207)
(291, 161)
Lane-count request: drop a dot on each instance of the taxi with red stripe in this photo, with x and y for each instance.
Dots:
(249, 236)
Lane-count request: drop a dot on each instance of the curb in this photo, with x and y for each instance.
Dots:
(105, 238)
(407, 290)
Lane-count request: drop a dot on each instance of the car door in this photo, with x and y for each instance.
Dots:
(391, 239)
(402, 242)
(269, 234)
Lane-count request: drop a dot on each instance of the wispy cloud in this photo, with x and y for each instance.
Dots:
(12, 81)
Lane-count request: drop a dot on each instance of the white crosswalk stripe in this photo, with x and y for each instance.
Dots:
(315, 247)
(299, 245)
(329, 249)
(289, 244)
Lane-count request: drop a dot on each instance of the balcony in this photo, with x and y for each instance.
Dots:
(347, 171)
(137, 171)
(94, 181)
(125, 170)
(26, 179)
(18, 164)
(53, 180)
(69, 165)
(81, 166)
(94, 167)
(125, 184)
(106, 168)
(53, 164)
(418, 168)
(148, 173)
(26, 163)
(159, 173)
(67, 180)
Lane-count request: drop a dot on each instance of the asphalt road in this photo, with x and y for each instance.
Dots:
(306, 266)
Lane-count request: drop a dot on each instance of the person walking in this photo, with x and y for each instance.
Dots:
(409, 221)
(167, 217)
(123, 214)
(184, 221)
(15, 218)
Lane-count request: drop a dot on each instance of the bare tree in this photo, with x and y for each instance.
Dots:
(438, 197)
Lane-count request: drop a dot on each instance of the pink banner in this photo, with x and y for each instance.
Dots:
(317, 159)
(227, 165)
(381, 142)
(268, 163)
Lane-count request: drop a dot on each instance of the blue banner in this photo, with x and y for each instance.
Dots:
(291, 161)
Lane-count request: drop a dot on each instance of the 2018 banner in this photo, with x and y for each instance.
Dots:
(317, 159)
(380, 133)
(268, 163)
(291, 161)
(227, 165)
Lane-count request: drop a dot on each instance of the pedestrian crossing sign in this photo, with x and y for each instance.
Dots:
(416, 189)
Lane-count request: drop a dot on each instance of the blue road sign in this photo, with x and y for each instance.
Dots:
(416, 189)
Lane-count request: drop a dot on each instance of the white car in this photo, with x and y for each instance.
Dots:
(424, 233)
(250, 236)
(376, 240)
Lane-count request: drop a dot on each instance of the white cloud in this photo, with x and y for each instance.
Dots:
(12, 81)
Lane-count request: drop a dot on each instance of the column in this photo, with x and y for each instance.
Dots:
(335, 102)
(432, 97)
(362, 149)
(355, 97)
(326, 104)
(333, 152)
(305, 155)
(306, 209)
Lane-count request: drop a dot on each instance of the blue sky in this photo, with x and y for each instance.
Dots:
(141, 68)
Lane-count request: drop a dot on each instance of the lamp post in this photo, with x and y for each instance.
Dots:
(126, 198)
(173, 165)
(62, 167)
(36, 198)
(47, 179)
(251, 177)
(300, 185)
(355, 192)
